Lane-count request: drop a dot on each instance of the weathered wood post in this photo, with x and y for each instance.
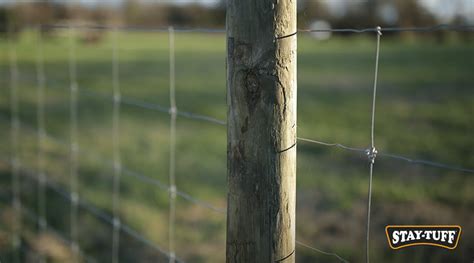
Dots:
(261, 150)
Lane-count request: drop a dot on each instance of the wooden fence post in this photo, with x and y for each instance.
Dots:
(261, 149)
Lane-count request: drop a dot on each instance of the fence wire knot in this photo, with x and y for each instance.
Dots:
(117, 166)
(116, 222)
(173, 110)
(16, 240)
(172, 257)
(42, 222)
(379, 30)
(117, 97)
(74, 198)
(75, 248)
(172, 191)
(371, 154)
(74, 87)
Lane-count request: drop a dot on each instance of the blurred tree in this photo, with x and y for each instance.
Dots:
(131, 10)
(35, 13)
(309, 10)
(3, 20)
(412, 14)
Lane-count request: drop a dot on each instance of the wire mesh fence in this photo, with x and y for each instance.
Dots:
(124, 121)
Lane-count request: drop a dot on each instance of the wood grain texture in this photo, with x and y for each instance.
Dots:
(261, 98)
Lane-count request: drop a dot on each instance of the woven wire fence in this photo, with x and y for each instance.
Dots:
(113, 217)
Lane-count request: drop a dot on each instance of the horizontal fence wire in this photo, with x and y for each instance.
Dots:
(440, 27)
(130, 101)
(392, 156)
(135, 102)
(163, 29)
(127, 171)
(426, 162)
(92, 209)
(321, 251)
(149, 180)
(342, 146)
(108, 219)
(199, 117)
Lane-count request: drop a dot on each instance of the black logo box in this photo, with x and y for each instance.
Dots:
(445, 236)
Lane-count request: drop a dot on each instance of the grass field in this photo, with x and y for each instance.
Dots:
(424, 110)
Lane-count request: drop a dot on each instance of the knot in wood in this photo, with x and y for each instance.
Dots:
(252, 89)
(251, 82)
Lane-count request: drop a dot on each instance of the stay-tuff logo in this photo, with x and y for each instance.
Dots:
(440, 236)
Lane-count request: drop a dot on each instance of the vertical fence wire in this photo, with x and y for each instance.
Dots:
(15, 158)
(372, 152)
(117, 164)
(74, 146)
(172, 158)
(40, 116)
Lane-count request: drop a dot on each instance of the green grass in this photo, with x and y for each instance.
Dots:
(424, 110)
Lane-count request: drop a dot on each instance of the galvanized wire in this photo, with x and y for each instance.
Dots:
(321, 251)
(434, 28)
(15, 158)
(31, 215)
(372, 152)
(442, 27)
(172, 156)
(97, 212)
(74, 146)
(41, 195)
(391, 156)
(127, 171)
(117, 163)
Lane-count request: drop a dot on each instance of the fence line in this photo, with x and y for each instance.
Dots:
(72, 195)
(156, 182)
(102, 215)
(439, 27)
(131, 101)
(362, 150)
(199, 117)
(97, 212)
(130, 172)
(390, 155)
(427, 163)
(141, 177)
(163, 29)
